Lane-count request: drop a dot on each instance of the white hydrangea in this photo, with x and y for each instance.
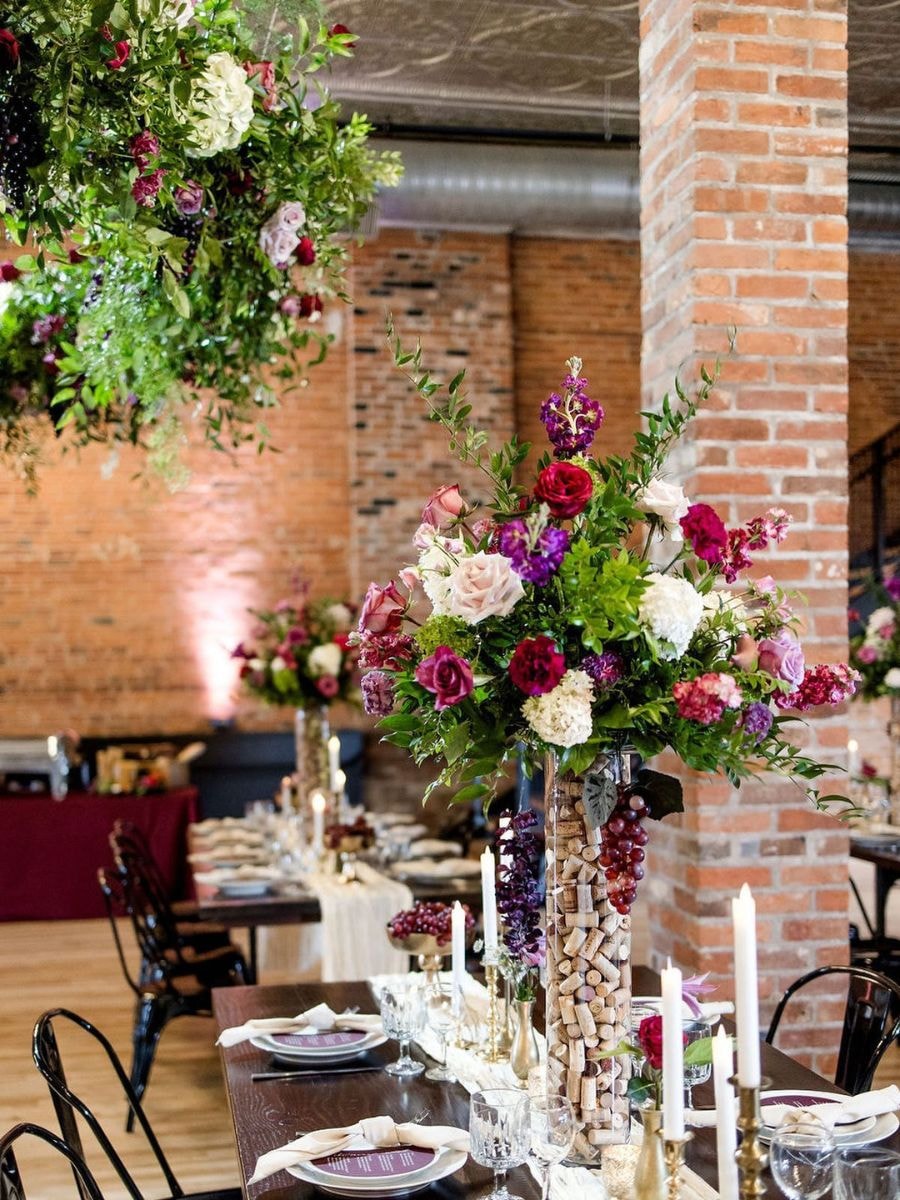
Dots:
(671, 609)
(892, 678)
(563, 717)
(222, 104)
(324, 660)
(340, 616)
(435, 563)
(727, 603)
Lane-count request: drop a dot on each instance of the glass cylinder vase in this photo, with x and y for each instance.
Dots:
(311, 733)
(588, 954)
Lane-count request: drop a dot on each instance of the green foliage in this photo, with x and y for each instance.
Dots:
(445, 631)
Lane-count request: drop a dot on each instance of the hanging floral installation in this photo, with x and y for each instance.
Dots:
(184, 198)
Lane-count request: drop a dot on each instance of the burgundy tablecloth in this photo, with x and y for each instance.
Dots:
(50, 849)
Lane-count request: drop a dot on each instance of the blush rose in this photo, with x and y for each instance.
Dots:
(483, 585)
(444, 507)
(782, 658)
(382, 610)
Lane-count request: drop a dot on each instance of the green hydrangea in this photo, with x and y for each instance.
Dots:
(445, 631)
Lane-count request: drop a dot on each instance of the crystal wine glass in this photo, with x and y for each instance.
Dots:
(403, 1017)
(867, 1173)
(441, 1018)
(801, 1158)
(500, 1133)
(695, 1030)
(553, 1129)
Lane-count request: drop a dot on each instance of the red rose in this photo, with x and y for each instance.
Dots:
(537, 666)
(310, 306)
(9, 49)
(123, 52)
(447, 675)
(705, 530)
(382, 610)
(336, 29)
(650, 1040)
(9, 273)
(565, 489)
(305, 252)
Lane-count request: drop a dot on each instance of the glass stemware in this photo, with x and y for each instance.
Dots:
(500, 1131)
(695, 1030)
(801, 1158)
(867, 1173)
(553, 1129)
(403, 1017)
(441, 1018)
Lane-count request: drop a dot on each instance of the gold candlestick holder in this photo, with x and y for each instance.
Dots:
(750, 1156)
(505, 1041)
(491, 1052)
(673, 1153)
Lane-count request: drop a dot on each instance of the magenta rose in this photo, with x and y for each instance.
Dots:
(892, 587)
(705, 530)
(9, 49)
(9, 273)
(189, 198)
(305, 252)
(867, 655)
(782, 658)
(146, 189)
(382, 610)
(565, 489)
(144, 147)
(444, 507)
(537, 666)
(447, 675)
(327, 686)
(650, 1040)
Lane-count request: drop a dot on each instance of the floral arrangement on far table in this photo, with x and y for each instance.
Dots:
(186, 186)
(298, 653)
(875, 651)
(596, 606)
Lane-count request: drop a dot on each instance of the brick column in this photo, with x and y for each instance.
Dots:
(743, 193)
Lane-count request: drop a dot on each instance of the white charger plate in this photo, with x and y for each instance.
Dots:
(245, 889)
(856, 1133)
(293, 1053)
(448, 1162)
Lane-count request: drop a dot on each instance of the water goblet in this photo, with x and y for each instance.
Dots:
(403, 1016)
(500, 1132)
(441, 1018)
(801, 1158)
(695, 1030)
(553, 1129)
(867, 1173)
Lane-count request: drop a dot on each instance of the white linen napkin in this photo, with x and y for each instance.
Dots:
(246, 873)
(371, 1133)
(314, 1020)
(854, 1108)
(427, 847)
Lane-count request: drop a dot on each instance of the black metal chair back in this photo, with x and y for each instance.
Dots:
(67, 1104)
(871, 1022)
(11, 1186)
(129, 840)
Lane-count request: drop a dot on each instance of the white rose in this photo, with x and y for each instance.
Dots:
(892, 678)
(324, 660)
(278, 663)
(222, 104)
(291, 214)
(483, 585)
(562, 717)
(435, 564)
(278, 236)
(879, 618)
(259, 664)
(671, 609)
(340, 616)
(666, 501)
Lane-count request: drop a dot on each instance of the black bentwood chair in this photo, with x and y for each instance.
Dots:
(11, 1186)
(67, 1104)
(173, 980)
(871, 1022)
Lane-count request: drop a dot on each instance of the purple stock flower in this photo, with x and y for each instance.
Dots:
(571, 420)
(378, 693)
(605, 669)
(757, 719)
(519, 889)
(892, 587)
(534, 557)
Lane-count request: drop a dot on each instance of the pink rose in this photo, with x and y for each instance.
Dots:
(444, 507)
(483, 585)
(189, 199)
(447, 675)
(867, 654)
(425, 535)
(327, 686)
(746, 654)
(782, 658)
(410, 578)
(382, 610)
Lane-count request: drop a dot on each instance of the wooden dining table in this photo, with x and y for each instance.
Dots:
(884, 855)
(270, 1113)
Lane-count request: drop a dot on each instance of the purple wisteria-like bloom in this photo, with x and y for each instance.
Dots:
(520, 890)
(572, 419)
(605, 669)
(534, 557)
(378, 693)
(757, 719)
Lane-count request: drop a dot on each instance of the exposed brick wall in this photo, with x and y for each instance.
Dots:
(743, 120)
(874, 344)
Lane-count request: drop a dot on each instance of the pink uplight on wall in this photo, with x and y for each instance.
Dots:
(217, 616)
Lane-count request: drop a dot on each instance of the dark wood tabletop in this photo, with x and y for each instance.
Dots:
(884, 855)
(267, 1115)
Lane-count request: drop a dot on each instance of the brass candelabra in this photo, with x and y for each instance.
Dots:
(492, 1051)
(673, 1153)
(750, 1156)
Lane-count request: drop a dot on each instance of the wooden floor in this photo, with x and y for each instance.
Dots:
(71, 964)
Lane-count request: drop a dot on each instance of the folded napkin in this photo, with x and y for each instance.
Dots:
(832, 1115)
(246, 873)
(230, 853)
(428, 847)
(371, 1133)
(437, 868)
(318, 1020)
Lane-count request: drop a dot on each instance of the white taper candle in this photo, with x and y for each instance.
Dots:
(318, 803)
(458, 949)
(726, 1115)
(489, 903)
(673, 1054)
(334, 761)
(746, 989)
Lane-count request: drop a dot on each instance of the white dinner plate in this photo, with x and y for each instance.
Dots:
(648, 1006)
(245, 889)
(448, 1162)
(852, 1133)
(430, 871)
(319, 1053)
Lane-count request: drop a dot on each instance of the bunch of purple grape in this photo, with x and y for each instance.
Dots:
(622, 842)
(429, 916)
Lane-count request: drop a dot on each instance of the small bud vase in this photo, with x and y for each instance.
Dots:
(650, 1171)
(524, 1053)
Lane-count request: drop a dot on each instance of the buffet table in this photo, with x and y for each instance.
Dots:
(53, 848)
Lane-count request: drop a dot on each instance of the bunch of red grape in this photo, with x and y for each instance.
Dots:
(427, 917)
(622, 842)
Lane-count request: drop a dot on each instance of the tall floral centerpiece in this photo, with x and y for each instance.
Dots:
(299, 654)
(875, 653)
(587, 619)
